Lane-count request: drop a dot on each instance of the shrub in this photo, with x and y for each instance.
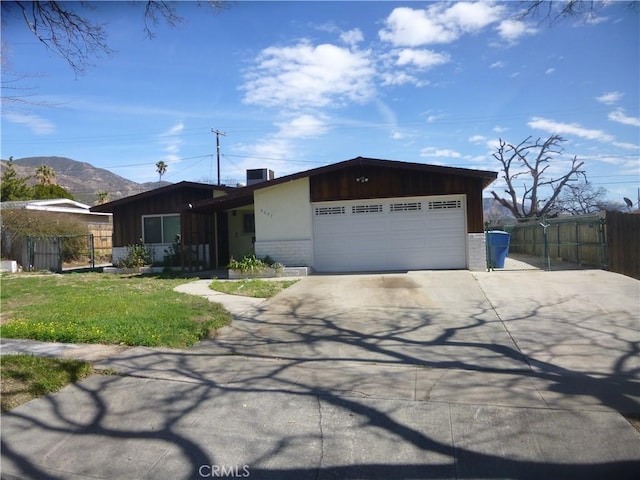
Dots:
(252, 265)
(137, 256)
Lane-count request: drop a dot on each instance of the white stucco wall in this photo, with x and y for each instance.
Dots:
(476, 252)
(283, 212)
(284, 224)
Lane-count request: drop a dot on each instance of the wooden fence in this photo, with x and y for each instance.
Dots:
(608, 240)
(623, 243)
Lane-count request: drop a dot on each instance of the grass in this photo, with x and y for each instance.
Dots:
(251, 287)
(109, 309)
(25, 377)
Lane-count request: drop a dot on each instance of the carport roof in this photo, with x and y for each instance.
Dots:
(244, 196)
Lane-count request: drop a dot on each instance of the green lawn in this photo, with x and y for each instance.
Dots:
(25, 377)
(102, 308)
(251, 287)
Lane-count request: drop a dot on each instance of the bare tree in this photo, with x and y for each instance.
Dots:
(530, 161)
(582, 198)
(65, 29)
(553, 10)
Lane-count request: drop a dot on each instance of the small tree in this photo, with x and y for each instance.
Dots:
(539, 192)
(161, 168)
(12, 186)
(44, 192)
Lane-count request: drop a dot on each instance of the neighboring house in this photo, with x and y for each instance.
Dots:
(155, 218)
(362, 214)
(98, 224)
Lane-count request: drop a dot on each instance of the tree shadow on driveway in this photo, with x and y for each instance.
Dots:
(307, 388)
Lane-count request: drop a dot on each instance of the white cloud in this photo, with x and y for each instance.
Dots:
(302, 126)
(512, 30)
(411, 28)
(352, 37)
(439, 152)
(439, 23)
(609, 98)
(627, 145)
(472, 16)
(620, 117)
(560, 128)
(498, 64)
(549, 71)
(37, 124)
(309, 76)
(421, 58)
(400, 78)
(477, 139)
(170, 142)
(499, 129)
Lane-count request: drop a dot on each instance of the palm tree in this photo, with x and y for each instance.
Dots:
(45, 175)
(102, 197)
(161, 168)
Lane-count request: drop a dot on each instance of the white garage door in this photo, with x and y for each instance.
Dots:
(390, 234)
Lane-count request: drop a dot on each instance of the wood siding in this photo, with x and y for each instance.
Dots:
(392, 182)
(623, 238)
(127, 225)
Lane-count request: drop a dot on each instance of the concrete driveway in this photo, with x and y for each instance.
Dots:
(420, 375)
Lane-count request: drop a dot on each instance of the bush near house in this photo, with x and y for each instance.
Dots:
(252, 265)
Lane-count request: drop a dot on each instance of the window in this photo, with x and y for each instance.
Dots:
(249, 223)
(160, 228)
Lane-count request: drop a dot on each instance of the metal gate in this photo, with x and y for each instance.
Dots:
(577, 240)
(62, 252)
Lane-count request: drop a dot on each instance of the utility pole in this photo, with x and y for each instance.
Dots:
(218, 133)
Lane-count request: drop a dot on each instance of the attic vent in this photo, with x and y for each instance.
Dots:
(376, 208)
(405, 207)
(329, 211)
(444, 204)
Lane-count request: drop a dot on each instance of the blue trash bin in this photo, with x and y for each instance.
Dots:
(498, 247)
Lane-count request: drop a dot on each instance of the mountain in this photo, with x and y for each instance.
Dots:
(493, 210)
(82, 179)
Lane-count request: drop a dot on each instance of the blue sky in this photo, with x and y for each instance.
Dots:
(296, 85)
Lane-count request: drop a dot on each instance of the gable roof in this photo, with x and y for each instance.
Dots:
(486, 175)
(109, 206)
(244, 196)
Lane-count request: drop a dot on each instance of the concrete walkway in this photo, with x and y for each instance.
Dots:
(422, 375)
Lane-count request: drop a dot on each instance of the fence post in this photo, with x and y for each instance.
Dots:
(92, 254)
(545, 245)
(603, 242)
(577, 244)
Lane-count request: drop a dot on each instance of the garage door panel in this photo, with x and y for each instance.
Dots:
(390, 234)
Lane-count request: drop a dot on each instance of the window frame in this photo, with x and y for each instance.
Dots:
(162, 216)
